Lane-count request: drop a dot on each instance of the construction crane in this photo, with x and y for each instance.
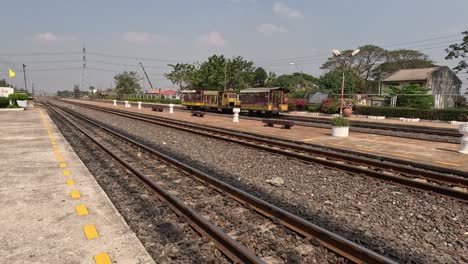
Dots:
(149, 81)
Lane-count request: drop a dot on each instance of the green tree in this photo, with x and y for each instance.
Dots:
(240, 73)
(127, 83)
(271, 80)
(65, 93)
(218, 73)
(401, 59)
(211, 74)
(459, 50)
(414, 96)
(331, 81)
(374, 63)
(296, 80)
(182, 74)
(260, 78)
(4, 83)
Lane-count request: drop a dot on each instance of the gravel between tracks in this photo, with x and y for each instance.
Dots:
(410, 226)
(165, 237)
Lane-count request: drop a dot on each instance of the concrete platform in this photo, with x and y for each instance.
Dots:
(51, 208)
(423, 151)
(391, 121)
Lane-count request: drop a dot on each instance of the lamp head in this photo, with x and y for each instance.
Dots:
(336, 52)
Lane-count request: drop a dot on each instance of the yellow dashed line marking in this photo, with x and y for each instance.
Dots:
(57, 152)
(447, 163)
(75, 194)
(63, 165)
(65, 172)
(70, 182)
(90, 231)
(60, 159)
(399, 155)
(102, 258)
(81, 209)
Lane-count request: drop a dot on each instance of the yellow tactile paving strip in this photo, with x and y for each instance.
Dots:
(434, 153)
(89, 230)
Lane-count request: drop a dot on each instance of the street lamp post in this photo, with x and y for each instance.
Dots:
(337, 53)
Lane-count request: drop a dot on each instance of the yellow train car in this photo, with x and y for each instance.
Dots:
(193, 99)
(220, 101)
(264, 100)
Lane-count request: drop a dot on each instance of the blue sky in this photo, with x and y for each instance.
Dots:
(272, 33)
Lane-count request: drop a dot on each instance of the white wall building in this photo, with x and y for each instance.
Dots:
(5, 91)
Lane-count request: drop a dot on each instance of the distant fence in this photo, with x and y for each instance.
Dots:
(144, 96)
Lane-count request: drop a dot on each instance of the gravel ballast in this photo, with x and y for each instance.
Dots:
(166, 237)
(409, 226)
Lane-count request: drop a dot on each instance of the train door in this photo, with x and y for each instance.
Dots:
(276, 97)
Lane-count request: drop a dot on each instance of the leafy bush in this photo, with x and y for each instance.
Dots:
(340, 122)
(330, 106)
(4, 102)
(412, 101)
(12, 106)
(430, 114)
(18, 96)
(300, 103)
(297, 94)
(314, 107)
(413, 96)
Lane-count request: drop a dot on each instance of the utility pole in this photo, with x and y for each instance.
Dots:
(149, 81)
(24, 74)
(32, 88)
(225, 76)
(84, 76)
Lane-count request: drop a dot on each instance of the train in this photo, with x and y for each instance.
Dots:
(263, 100)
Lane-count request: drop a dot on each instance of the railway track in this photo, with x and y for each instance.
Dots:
(229, 207)
(443, 181)
(406, 131)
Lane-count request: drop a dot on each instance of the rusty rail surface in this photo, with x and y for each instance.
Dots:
(334, 242)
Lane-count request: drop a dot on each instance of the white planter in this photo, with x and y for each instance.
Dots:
(376, 117)
(457, 123)
(463, 129)
(340, 131)
(409, 119)
(22, 103)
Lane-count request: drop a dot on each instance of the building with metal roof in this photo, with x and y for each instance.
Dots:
(441, 80)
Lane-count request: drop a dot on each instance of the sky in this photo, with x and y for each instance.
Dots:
(48, 35)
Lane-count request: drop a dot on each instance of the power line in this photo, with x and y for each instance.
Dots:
(132, 57)
(39, 54)
(422, 40)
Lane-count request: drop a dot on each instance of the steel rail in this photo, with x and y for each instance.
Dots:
(314, 147)
(334, 242)
(304, 153)
(231, 248)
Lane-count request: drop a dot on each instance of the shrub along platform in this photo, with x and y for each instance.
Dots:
(428, 114)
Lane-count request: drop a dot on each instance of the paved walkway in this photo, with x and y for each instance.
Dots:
(435, 153)
(51, 208)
